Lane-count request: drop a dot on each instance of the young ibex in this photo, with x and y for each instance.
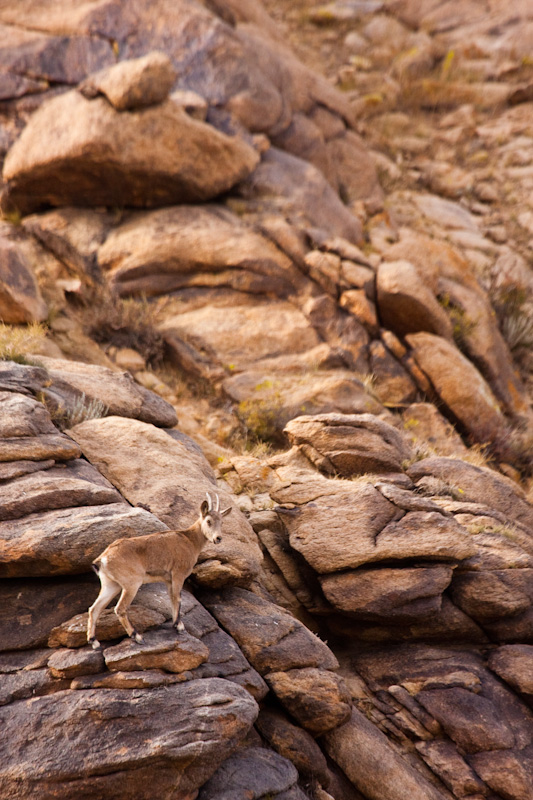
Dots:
(169, 556)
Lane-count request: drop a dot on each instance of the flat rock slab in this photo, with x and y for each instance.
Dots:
(117, 391)
(142, 158)
(293, 743)
(67, 540)
(139, 754)
(73, 632)
(20, 298)
(270, 637)
(349, 444)
(318, 699)
(66, 663)
(18, 685)
(39, 448)
(156, 252)
(170, 473)
(343, 525)
(477, 485)
(30, 608)
(388, 594)
(52, 489)
(164, 650)
(23, 416)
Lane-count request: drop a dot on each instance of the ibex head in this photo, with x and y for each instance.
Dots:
(211, 518)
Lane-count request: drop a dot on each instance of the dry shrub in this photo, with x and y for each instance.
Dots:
(112, 320)
(17, 341)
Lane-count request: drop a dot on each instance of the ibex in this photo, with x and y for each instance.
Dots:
(169, 556)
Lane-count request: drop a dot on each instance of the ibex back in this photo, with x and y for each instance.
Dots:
(169, 556)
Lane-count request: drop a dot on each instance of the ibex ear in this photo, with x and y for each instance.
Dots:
(204, 508)
(225, 512)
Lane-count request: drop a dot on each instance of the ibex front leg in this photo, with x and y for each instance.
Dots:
(175, 585)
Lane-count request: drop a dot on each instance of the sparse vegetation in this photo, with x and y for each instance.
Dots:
(463, 324)
(111, 320)
(82, 409)
(18, 341)
(515, 316)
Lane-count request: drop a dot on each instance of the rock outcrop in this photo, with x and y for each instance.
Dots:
(219, 273)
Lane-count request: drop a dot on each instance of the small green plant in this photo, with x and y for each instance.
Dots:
(17, 341)
(262, 416)
(462, 324)
(515, 316)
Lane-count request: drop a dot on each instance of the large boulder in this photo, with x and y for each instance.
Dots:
(137, 753)
(149, 157)
(168, 471)
(20, 297)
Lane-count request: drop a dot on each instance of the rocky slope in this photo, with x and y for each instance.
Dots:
(221, 271)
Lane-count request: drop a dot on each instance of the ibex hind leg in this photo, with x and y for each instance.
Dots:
(109, 589)
(125, 600)
(174, 591)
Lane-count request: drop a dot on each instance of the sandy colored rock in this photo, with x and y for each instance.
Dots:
(506, 772)
(173, 481)
(459, 385)
(164, 650)
(20, 298)
(293, 743)
(364, 754)
(392, 384)
(116, 392)
(492, 595)
(347, 525)
(388, 594)
(316, 698)
(73, 631)
(423, 423)
(67, 540)
(406, 303)
(138, 754)
(443, 759)
(23, 416)
(159, 251)
(270, 637)
(349, 444)
(478, 485)
(144, 158)
(135, 83)
(38, 448)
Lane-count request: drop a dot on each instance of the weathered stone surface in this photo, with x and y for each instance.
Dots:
(493, 595)
(293, 743)
(364, 754)
(300, 190)
(66, 541)
(190, 246)
(20, 297)
(29, 609)
(392, 383)
(22, 684)
(443, 758)
(251, 773)
(65, 663)
(406, 303)
(23, 416)
(143, 158)
(459, 385)
(142, 679)
(138, 754)
(349, 524)
(173, 481)
(270, 637)
(506, 772)
(388, 594)
(349, 444)
(54, 488)
(478, 485)
(73, 631)
(316, 698)
(135, 83)
(471, 720)
(423, 423)
(23, 660)
(160, 650)
(116, 391)
(15, 469)
(514, 663)
(38, 448)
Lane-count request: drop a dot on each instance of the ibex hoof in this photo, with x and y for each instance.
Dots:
(95, 644)
(137, 636)
(180, 627)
